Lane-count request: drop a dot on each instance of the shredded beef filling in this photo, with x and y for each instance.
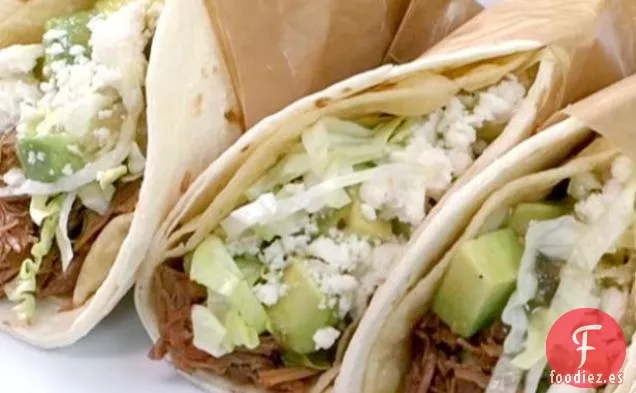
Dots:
(18, 233)
(447, 363)
(174, 295)
(86, 226)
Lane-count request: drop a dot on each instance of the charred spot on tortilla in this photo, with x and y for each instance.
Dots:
(235, 115)
(245, 148)
(322, 102)
(198, 104)
(185, 182)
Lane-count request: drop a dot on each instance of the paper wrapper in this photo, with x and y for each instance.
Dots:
(425, 23)
(612, 113)
(594, 40)
(281, 50)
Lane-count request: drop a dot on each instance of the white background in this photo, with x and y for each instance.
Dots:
(112, 359)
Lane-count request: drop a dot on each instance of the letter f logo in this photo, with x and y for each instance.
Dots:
(583, 344)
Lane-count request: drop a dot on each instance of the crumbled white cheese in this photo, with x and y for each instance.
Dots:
(14, 177)
(593, 198)
(15, 95)
(325, 338)
(67, 170)
(19, 60)
(41, 156)
(295, 243)
(274, 255)
(622, 168)
(74, 149)
(498, 102)
(104, 114)
(246, 245)
(54, 49)
(269, 293)
(54, 35)
(583, 184)
(368, 212)
(328, 250)
(31, 157)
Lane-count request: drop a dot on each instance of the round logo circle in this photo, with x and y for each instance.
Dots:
(585, 348)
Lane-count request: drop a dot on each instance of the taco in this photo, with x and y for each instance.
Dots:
(259, 275)
(541, 246)
(555, 235)
(79, 201)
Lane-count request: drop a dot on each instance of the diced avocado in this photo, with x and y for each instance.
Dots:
(490, 131)
(251, 268)
(480, 278)
(357, 223)
(538, 211)
(297, 315)
(47, 158)
(78, 33)
(317, 360)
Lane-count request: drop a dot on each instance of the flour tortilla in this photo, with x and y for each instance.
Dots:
(390, 88)
(188, 95)
(389, 358)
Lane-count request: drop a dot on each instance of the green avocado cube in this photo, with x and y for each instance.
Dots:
(480, 278)
(537, 211)
(298, 315)
(47, 158)
(77, 33)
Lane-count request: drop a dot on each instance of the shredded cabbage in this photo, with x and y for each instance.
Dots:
(136, 160)
(38, 209)
(555, 239)
(61, 233)
(290, 167)
(267, 209)
(95, 198)
(108, 177)
(23, 294)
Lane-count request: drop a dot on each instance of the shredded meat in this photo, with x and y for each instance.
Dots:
(52, 281)
(447, 363)
(174, 295)
(17, 232)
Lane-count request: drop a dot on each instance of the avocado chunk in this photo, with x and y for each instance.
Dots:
(537, 211)
(357, 223)
(251, 268)
(77, 33)
(480, 278)
(47, 157)
(350, 219)
(298, 315)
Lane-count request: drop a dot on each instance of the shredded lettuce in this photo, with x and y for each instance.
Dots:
(61, 232)
(108, 177)
(555, 239)
(213, 267)
(209, 333)
(95, 198)
(23, 294)
(38, 210)
(267, 209)
(292, 166)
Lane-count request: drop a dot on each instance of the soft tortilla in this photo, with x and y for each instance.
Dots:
(390, 356)
(187, 128)
(214, 194)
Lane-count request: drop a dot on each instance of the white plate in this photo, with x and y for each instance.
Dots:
(112, 359)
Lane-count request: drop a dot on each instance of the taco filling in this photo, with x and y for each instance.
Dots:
(503, 290)
(268, 298)
(71, 147)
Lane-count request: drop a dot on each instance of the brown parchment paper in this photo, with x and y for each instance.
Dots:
(612, 113)
(593, 40)
(425, 23)
(281, 50)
